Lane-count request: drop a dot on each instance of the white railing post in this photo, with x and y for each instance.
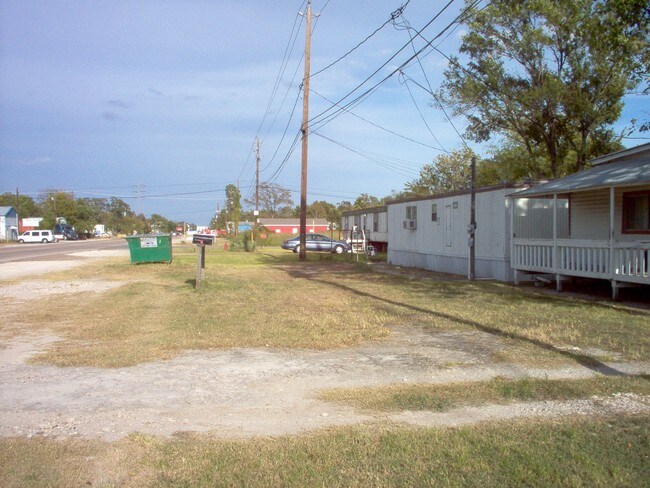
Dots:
(558, 279)
(612, 261)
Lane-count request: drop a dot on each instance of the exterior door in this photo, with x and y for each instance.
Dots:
(448, 242)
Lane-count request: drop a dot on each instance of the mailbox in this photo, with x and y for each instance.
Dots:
(205, 239)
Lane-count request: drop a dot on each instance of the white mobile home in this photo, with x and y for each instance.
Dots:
(373, 221)
(432, 232)
(608, 236)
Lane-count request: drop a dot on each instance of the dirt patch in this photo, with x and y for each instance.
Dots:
(32, 290)
(257, 392)
(254, 392)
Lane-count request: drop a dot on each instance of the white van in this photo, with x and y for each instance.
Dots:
(36, 236)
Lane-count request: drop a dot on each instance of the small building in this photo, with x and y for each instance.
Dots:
(292, 226)
(8, 224)
(432, 232)
(608, 234)
(372, 221)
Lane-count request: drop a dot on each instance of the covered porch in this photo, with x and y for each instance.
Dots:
(608, 230)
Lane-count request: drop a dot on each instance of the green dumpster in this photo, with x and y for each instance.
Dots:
(150, 248)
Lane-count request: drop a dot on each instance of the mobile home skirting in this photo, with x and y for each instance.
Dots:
(491, 268)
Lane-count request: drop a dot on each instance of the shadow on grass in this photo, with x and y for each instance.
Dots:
(582, 359)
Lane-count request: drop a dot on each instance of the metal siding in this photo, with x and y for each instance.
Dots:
(590, 215)
(426, 247)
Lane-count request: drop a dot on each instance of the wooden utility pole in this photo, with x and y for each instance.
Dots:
(472, 223)
(257, 188)
(257, 175)
(305, 137)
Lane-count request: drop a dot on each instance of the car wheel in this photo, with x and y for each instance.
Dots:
(22, 241)
(296, 249)
(338, 249)
(44, 241)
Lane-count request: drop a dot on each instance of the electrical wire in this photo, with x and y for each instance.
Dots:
(395, 14)
(379, 126)
(392, 164)
(325, 116)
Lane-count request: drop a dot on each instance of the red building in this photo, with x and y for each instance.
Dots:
(292, 226)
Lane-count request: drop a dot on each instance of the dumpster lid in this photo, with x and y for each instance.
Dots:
(138, 236)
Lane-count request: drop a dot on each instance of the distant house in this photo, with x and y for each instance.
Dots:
(8, 224)
(373, 221)
(292, 226)
(608, 235)
(432, 232)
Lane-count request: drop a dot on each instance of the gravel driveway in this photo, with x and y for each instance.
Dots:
(256, 392)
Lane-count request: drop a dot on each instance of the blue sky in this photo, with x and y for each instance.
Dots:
(164, 98)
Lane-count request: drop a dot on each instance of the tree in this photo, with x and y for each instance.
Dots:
(233, 206)
(549, 75)
(57, 204)
(271, 198)
(448, 172)
(120, 218)
(24, 205)
(344, 206)
(321, 209)
(161, 224)
(366, 201)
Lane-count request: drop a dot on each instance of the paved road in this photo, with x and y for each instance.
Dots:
(57, 251)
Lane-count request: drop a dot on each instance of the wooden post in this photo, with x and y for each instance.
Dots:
(200, 265)
(558, 277)
(305, 138)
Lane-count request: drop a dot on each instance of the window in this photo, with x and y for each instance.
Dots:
(636, 213)
(434, 212)
(375, 222)
(411, 212)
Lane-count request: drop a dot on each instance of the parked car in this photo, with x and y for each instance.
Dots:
(316, 242)
(36, 236)
(65, 231)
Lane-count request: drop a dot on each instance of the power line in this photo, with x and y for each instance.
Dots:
(393, 15)
(323, 118)
(379, 126)
(392, 164)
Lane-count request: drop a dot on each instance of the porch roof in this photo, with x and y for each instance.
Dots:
(632, 171)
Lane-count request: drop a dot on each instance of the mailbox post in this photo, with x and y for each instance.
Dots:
(201, 240)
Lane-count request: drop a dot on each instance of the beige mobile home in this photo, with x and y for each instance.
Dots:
(609, 223)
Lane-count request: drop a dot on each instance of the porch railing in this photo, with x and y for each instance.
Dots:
(586, 258)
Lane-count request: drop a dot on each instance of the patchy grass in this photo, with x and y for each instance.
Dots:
(444, 397)
(268, 298)
(567, 452)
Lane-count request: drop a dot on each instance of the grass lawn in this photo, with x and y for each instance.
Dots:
(568, 452)
(268, 299)
(445, 397)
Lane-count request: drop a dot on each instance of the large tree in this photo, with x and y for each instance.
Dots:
(321, 209)
(366, 201)
(272, 197)
(549, 75)
(233, 206)
(23, 204)
(450, 172)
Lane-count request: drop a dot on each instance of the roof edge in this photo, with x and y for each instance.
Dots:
(607, 158)
(483, 189)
